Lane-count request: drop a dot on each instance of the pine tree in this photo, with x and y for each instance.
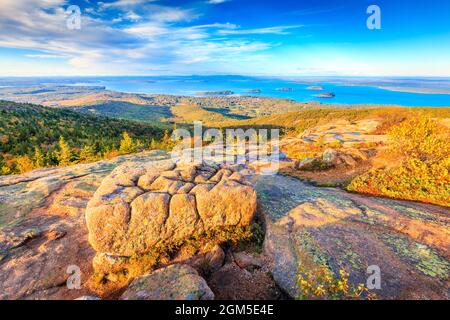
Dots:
(39, 159)
(49, 158)
(153, 144)
(65, 153)
(127, 144)
(166, 142)
(87, 154)
(166, 137)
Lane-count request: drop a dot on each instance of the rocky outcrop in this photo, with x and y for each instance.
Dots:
(176, 282)
(43, 232)
(43, 228)
(332, 158)
(347, 157)
(328, 227)
(140, 209)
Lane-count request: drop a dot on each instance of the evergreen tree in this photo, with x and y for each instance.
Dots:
(153, 144)
(39, 159)
(127, 145)
(49, 158)
(166, 137)
(166, 142)
(65, 153)
(87, 154)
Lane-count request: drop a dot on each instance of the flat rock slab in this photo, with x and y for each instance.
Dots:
(176, 282)
(409, 241)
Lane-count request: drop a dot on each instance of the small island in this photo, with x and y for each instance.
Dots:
(315, 88)
(285, 89)
(325, 95)
(253, 91)
(216, 93)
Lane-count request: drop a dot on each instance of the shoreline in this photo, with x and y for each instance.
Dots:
(415, 90)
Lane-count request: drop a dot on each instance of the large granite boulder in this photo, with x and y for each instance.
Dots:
(176, 282)
(142, 208)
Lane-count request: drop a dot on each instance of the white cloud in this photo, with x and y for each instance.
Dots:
(155, 43)
(280, 30)
(131, 15)
(217, 1)
(44, 56)
(168, 14)
(123, 3)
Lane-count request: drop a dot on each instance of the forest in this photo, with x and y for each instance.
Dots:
(34, 136)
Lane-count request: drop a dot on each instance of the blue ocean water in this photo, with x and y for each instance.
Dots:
(345, 92)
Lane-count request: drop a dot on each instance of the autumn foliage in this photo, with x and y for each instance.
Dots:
(422, 147)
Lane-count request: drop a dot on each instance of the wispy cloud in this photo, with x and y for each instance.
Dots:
(45, 56)
(217, 1)
(171, 14)
(280, 30)
(131, 15)
(122, 38)
(123, 3)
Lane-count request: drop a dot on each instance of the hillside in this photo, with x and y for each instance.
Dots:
(23, 127)
(301, 120)
(154, 115)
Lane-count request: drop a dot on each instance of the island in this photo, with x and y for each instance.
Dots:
(216, 93)
(253, 91)
(325, 95)
(285, 89)
(316, 88)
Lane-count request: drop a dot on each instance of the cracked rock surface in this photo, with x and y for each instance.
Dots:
(140, 207)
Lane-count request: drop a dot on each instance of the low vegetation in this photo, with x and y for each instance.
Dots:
(320, 283)
(299, 121)
(421, 149)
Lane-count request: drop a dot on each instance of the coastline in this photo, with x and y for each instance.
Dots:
(415, 90)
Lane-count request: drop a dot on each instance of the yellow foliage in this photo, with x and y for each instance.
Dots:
(127, 145)
(423, 172)
(320, 283)
(422, 138)
(24, 164)
(65, 153)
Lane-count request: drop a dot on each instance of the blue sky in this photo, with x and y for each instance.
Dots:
(278, 38)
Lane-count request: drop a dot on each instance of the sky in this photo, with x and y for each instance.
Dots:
(208, 37)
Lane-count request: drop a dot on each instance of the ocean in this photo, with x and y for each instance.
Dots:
(345, 90)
